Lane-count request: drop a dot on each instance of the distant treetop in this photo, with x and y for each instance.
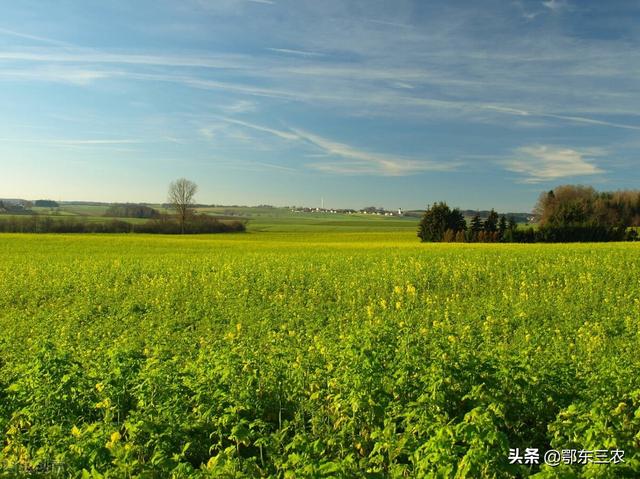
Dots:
(46, 203)
(131, 211)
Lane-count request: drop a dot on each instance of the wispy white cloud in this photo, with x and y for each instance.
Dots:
(539, 163)
(71, 142)
(210, 131)
(240, 106)
(396, 168)
(388, 23)
(302, 53)
(95, 142)
(403, 85)
(243, 88)
(529, 12)
(227, 6)
(81, 55)
(40, 39)
(285, 135)
(112, 145)
(400, 97)
(221, 133)
(74, 76)
(256, 166)
(574, 119)
(470, 81)
(591, 121)
(555, 5)
(349, 66)
(365, 162)
(352, 160)
(272, 166)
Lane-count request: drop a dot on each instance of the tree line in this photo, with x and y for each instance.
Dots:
(443, 224)
(163, 224)
(185, 221)
(577, 205)
(568, 213)
(130, 210)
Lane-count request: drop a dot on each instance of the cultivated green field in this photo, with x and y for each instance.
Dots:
(257, 218)
(314, 354)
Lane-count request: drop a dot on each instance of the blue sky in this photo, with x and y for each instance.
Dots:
(390, 103)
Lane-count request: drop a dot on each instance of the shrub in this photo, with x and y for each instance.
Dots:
(195, 224)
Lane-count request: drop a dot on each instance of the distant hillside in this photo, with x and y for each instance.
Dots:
(519, 217)
(84, 203)
(146, 210)
(14, 206)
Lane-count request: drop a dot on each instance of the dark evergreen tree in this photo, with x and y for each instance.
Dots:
(491, 223)
(476, 224)
(437, 220)
(502, 227)
(456, 220)
(476, 228)
(434, 222)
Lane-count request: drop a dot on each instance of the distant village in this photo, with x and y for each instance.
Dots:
(369, 210)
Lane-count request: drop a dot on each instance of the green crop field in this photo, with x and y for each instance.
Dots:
(330, 222)
(258, 219)
(284, 220)
(314, 354)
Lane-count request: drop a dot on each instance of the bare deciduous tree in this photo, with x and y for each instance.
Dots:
(181, 194)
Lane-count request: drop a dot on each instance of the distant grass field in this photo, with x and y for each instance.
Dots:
(282, 219)
(258, 219)
(332, 222)
(66, 216)
(314, 354)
